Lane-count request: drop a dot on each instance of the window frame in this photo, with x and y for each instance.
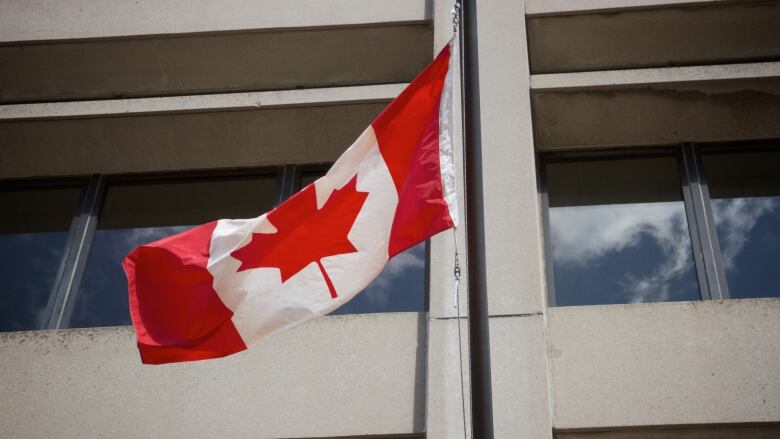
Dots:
(695, 193)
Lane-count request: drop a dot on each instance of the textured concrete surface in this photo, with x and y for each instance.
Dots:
(444, 404)
(697, 432)
(665, 363)
(203, 103)
(512, 215)
(336, 376)
(639, 77)
(211, 140)
(213, 62)
(445, 401)
(521, 405)
(541, 7)
(678, 35)
(653, 114)
(32, 20)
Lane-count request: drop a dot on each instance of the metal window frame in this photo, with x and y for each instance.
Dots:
(709, 248)
(689, 185)
(76, 252)
(544, 202)
(692, 191)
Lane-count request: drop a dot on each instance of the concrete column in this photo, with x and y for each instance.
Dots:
(513, 235)
(516, 291)
(445, 407)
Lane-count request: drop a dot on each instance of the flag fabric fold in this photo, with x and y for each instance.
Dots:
(219, 287)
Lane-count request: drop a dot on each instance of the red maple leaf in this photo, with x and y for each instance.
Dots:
(305, 234)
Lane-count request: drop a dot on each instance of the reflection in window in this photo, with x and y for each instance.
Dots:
(135, 213)
(33, 230)
(400, 287)
(619, 232)
(745, 193)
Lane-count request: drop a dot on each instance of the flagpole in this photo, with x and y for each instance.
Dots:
(479, 352)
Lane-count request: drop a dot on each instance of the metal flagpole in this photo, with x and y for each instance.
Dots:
(479, 352)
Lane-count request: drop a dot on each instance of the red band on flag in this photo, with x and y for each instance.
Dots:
(408, 135)
(176, 312)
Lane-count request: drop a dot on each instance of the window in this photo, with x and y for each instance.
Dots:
(33, 232)
(745, 191)
(63, 242)
(690, 223)
(618, 231)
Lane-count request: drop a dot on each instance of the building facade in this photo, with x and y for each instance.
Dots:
(632, 212)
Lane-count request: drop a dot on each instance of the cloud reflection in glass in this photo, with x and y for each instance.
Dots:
(619, 232)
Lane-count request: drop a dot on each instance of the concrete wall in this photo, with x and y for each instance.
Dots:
(337, 376)
(665, 363)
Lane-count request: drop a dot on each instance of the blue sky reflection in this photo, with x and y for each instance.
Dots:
(622, 253)
(749, 244)
(399, 288)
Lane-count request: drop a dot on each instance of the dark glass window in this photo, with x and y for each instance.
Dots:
(33, 232)
(310, 177)
(619, 232)
(400, 287)
(135, 213)
(745, 192)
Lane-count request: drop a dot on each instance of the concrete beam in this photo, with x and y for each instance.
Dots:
(40, 20)
(202, 103)
(643, 77)
(225, 62)
(181, 141)
(672, 35)
(727, 110)
(336, 376)
(771, 431)
(562, 7)
(665, 364)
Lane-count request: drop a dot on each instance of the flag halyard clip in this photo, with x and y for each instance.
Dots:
(455, 17)
(456, 269)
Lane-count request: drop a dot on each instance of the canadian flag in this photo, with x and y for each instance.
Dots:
(219, 287)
